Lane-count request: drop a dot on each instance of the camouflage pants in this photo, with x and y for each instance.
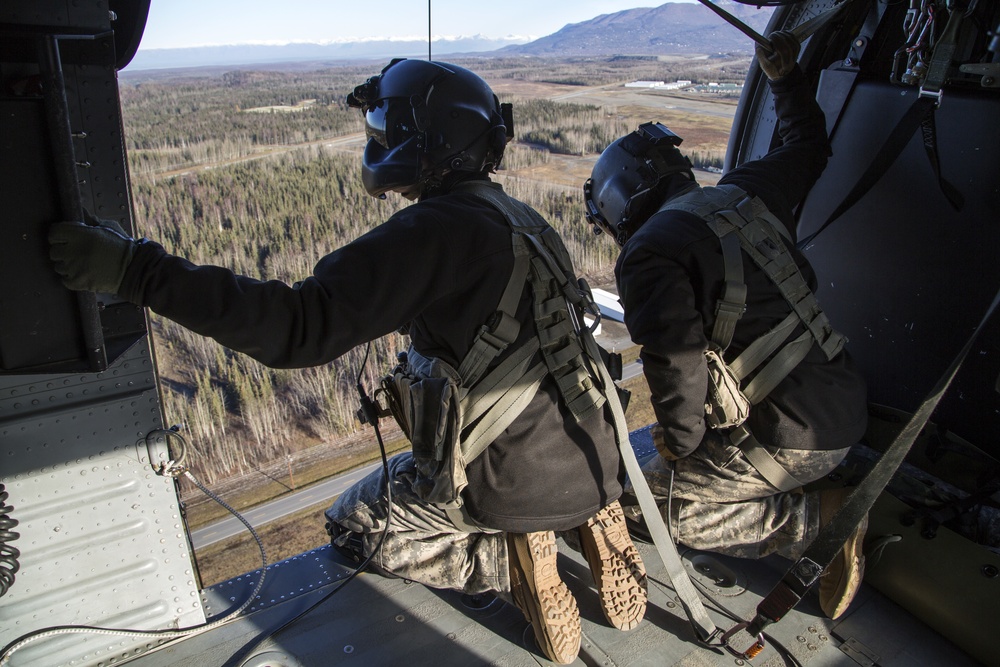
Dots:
(719, 502)
(422, 544)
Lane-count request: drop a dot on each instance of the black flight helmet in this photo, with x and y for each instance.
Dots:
(628, 177)
(425, 119)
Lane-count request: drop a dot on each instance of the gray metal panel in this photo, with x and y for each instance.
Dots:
(102, 539)
(380, 621)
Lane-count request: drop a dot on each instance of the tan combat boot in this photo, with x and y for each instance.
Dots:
(618, 571)
(840, 582)
(542, 596)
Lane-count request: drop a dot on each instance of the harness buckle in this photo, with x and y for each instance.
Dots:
(750, 653)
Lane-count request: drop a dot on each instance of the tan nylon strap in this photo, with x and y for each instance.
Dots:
(779, 367)
(780, 266)
(658, 530)
(551, 269)
(731, 306)
(476, 401)
(502, 414)
(489, 343)
(763, 347)
(762, 460)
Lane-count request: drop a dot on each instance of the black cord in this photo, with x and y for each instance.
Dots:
(8, 554)
(370, 410)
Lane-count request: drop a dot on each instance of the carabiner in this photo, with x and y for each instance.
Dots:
(748, 654)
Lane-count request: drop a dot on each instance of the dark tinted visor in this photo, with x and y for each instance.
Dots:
(390, 122)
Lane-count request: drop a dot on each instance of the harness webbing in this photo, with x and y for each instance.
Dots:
(553, 266)
(555, 320)
(743, 224)
(731, 214)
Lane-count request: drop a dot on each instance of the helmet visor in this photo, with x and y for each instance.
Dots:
(390, 122)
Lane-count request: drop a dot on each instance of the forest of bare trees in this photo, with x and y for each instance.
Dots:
(275, 216)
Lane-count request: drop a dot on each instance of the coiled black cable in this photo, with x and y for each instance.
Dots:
(8, 554)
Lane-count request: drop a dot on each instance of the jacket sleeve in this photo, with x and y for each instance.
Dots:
(783, 177)
(659, 303)
(356, 294)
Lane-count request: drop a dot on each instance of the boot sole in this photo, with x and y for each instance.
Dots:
(618, 570)
(549, 605)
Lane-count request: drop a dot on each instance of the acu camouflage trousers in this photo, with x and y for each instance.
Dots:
(719, 502)
(423, 544)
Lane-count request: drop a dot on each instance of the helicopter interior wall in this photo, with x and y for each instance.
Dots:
(904, 275)
(26, 339)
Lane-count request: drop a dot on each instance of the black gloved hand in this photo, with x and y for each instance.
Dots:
(92, 256)
(782, 58)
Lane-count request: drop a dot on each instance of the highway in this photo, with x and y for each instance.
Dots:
(290, 503)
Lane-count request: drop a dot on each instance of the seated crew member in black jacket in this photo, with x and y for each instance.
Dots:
(737, 437)
(439, 268)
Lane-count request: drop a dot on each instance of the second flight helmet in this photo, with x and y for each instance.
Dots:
(629, 177)
(427, 119)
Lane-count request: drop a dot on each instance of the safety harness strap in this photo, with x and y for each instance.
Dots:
(744, 224)
(779, 367)
(763, 347)
(492, 340)
(703, 625)
(762, 460)
(804, 573)
(556, 300)
(730, 308)
(550, 266)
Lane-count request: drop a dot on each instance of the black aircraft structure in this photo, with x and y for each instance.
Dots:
(96, 563)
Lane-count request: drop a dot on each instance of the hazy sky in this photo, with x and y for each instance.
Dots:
(181, 23)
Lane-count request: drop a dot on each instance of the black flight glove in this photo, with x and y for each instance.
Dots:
(778, 62)
(92, 256)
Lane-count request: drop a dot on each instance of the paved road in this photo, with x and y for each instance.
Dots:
(290, 503)
(284, 505)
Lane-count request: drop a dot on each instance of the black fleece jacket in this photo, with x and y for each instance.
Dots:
(440, 266)
(670, 275)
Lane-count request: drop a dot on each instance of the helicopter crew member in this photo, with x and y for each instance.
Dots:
(737, 435)
(444, 270)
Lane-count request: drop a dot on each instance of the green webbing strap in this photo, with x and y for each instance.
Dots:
(779, 367)
(502, 414)
(768, 251)
(491, 341)
(763, 347)
(730, 307)
(479, 398)
(762, 460)
(551, 267)
(665, 547)
(804, 573)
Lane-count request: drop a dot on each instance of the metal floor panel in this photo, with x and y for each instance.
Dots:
(380, 621)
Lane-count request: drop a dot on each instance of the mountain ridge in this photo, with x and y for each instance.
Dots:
(674, 28)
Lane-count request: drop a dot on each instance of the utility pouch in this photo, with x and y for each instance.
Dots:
(725, 405)
(428, 410)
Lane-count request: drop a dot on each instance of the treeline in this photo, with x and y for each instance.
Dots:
(274, 217)
(603, 70)
(571, 129)
(182, 122)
